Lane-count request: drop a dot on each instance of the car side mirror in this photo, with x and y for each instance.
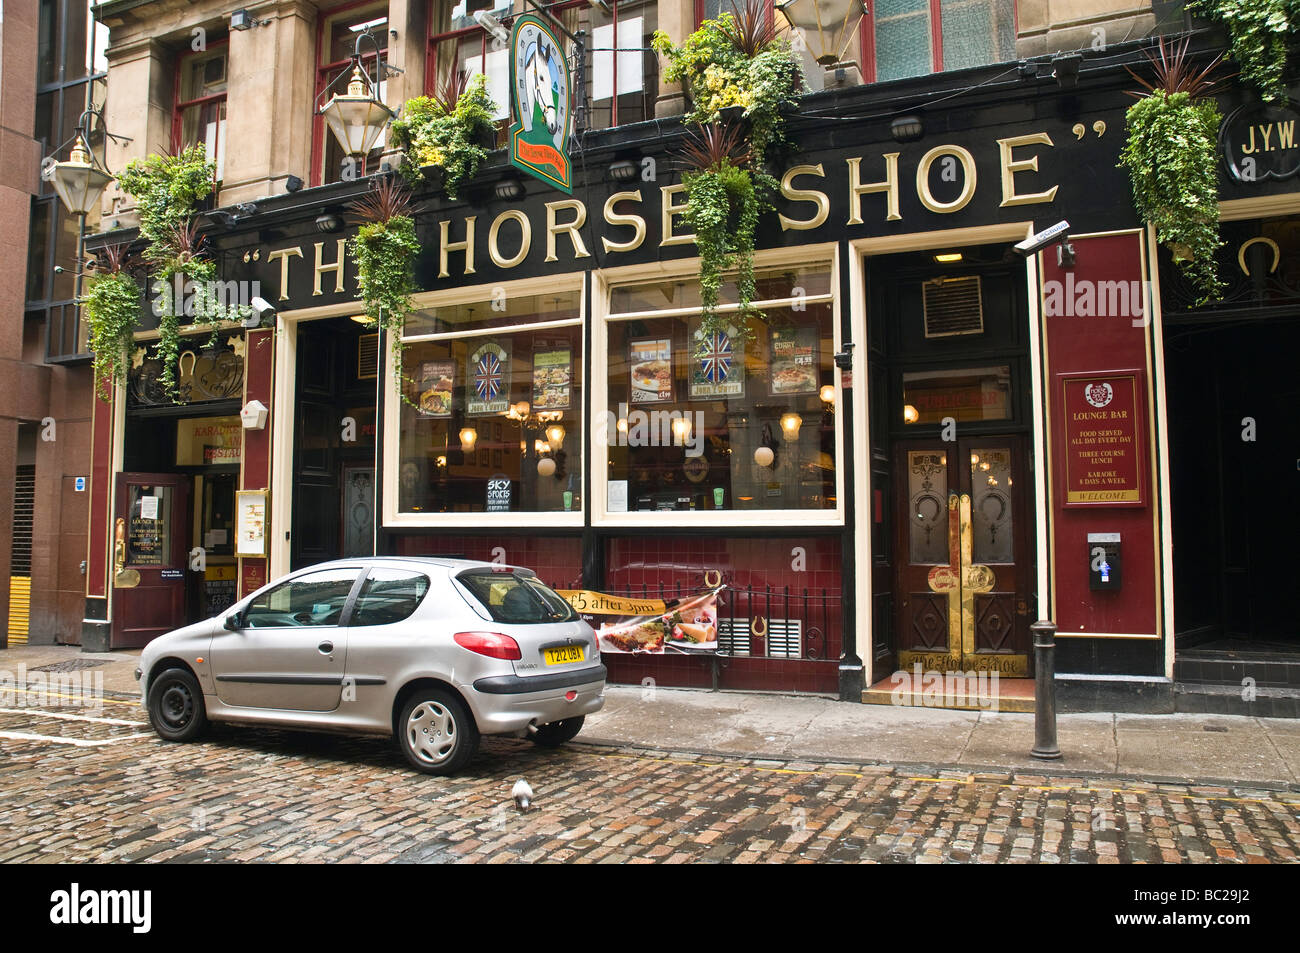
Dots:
(233, 622)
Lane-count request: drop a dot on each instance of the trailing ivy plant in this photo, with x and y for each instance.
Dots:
(384, 248)
(445, 131)
(737, 60)
(111, 305)
(1172, 159)
(1259, 32)
(736, 70)
(166, 189)
(725, 197)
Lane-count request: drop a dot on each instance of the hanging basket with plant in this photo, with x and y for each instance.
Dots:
(449, 133)
(111, 306)
(737, 63)
(725, 197)
(166, 189)
(1172, 159)
(384, 248)
(1260, 33)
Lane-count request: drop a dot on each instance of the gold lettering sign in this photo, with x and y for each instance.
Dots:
(321, 268)
(1010, 166)
(446, 246)
(820, 199)
(554, 227)
(284, 254)
(670, 211)
(968, 179)
(889, 186)
(613, 218)
(525, 240)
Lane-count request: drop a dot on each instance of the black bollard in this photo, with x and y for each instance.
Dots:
(1045, 746)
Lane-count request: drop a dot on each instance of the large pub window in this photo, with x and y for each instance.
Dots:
(460, 49)
(902, 38)
(338, 37)
(730, 423)
(490, 416)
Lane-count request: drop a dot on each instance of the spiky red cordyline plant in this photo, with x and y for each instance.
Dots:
(388, 199)
(708, 147)
(112, 259)
(1176, 73)
(449, 93)
(751, 31)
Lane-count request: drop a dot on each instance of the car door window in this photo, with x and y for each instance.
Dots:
(315, 599)
(388, 596)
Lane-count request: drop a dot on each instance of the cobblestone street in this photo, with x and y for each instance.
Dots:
(102, 788)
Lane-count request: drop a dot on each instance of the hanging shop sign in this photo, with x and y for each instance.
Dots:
(651, 626)
(540, 103)
(1103, 449)
(1259, 143)
(487, 372)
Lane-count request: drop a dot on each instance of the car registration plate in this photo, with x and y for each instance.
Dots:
(563, 655)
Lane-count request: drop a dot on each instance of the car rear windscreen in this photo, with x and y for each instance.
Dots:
(515, 598)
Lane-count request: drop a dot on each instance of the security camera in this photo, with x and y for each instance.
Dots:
(263, 313)
(1060, 232)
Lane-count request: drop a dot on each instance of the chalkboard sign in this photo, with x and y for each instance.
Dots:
(499, 489)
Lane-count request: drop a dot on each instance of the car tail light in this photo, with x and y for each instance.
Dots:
(491, 644)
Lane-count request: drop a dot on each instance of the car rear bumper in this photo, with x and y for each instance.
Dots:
(508, 703)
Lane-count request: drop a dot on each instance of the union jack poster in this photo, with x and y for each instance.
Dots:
(488, 373)
(717, 363)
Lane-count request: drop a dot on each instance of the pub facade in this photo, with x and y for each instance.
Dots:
(925, 441)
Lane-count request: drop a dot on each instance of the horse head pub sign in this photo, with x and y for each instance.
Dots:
(540, 103)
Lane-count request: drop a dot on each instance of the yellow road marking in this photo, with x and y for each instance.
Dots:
(105, 701)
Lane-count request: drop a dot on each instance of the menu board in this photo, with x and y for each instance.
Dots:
(717, 363)
(250, 523)
(145, 541)
(794, 361)
(435, 382)
(488, 373)
(552, 379)
(1103, 450)
(651, 364)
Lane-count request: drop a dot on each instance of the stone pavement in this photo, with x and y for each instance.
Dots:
(1226, 749)
(106, 791)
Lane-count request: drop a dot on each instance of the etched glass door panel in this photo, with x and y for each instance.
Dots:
(992, 512)
(927, 486)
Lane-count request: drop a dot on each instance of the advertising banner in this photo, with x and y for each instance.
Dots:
(688, 625)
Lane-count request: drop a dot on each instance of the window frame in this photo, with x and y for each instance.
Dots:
(598, 471)
(867, 39)
(392, 516)
(179, 106)
(324, 23)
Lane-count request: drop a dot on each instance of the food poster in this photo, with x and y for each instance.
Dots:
(649, 626)
(651, 365)
(435, 383)
(488, 373)
(794, 361)
(717, 363)
(552, 379)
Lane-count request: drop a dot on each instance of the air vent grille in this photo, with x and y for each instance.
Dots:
(953, 306)
(783, 639)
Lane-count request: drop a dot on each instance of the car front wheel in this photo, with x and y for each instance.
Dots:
(176, 708)
(558, 732)
(436, 733)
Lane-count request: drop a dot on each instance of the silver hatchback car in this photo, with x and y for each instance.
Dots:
(433, 652)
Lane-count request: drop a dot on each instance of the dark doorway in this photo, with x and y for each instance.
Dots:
(952, 500)
(1234, 435)
(334, 442)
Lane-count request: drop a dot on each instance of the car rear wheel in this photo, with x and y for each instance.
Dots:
(436, 733)
(558, 732)
(176, 708)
